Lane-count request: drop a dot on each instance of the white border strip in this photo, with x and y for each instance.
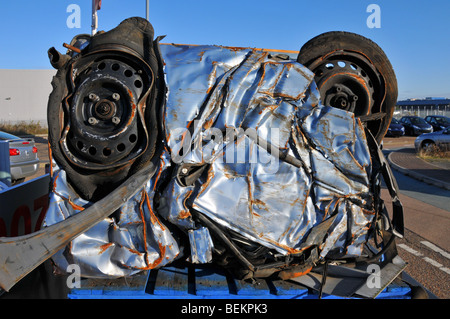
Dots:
(427, 259)
(436, 249)
(410, 250)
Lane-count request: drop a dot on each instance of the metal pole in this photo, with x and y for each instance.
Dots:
(147, 10)
(94, 18)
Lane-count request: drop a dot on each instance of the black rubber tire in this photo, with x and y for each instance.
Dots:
(325, 44)
(94, 184)
(428, 147)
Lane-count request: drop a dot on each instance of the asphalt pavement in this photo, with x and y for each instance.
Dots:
(426, 244)
(407, 162)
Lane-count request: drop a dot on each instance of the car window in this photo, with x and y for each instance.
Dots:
(417, 120)
(7, 136)
(443, 120)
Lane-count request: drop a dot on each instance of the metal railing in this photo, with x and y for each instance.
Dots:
(421, 111)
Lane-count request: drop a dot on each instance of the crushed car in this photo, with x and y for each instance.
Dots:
(261, 163)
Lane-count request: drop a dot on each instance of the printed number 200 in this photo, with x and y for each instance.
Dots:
(23, 212)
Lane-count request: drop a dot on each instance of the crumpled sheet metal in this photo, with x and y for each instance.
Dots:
(129, 241)
(267, 110)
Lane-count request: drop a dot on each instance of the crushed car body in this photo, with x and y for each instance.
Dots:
(252, 171)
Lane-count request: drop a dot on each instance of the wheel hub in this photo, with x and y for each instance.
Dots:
(347, 81)
(341, 97)
(105, 109)
(104, 123)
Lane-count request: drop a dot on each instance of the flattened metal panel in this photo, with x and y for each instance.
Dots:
(260, 205)
(385, 276)
(191, 73)
(130, 240)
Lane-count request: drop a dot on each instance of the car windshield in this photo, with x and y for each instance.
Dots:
(417, 120)
(7, 136)
(395, 121)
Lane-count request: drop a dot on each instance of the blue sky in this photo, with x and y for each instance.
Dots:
(414, 34)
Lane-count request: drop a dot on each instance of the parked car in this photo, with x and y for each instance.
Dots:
(415, 125)
(439, 122)
(23, 156)
(395, 129)
(437, 140)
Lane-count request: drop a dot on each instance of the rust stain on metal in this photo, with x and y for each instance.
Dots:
(208, 124)
(208, 181)
(68, 200)
(185, 213)
(291, 274)
(144, 227)
(237, 48)
(134, 251)
(104, 247)
(212, 76)
(162, 253)
(133, 108)
(72, 48)
(200, 54)
(252, 201)
(50, 156)
(153, 217)
(161, 167)
(269, 108)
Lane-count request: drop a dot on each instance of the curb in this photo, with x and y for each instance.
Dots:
(420, 177)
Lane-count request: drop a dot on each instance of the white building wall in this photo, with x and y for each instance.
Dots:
(24, 95)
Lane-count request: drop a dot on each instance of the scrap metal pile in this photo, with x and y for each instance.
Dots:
(252, 171)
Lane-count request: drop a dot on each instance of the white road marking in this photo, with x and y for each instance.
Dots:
(427, 259)
(445, 269)
(433, 262)
(436, 249)
(410, 250)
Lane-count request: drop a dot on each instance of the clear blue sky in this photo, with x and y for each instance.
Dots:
(414, 34)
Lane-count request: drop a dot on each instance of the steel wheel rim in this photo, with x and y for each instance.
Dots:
(349, 81)
(105, 125)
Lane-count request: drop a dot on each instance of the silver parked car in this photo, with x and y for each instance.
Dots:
(23, 155)
(430, 141)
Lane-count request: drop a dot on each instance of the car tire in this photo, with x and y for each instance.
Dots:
(96, 164)
(361, 67)
(428, 147)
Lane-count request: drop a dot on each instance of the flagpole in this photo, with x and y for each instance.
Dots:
(147, 10)
(94, 24)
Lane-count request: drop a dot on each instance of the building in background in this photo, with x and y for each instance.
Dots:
(423, 107)
(24, 95)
